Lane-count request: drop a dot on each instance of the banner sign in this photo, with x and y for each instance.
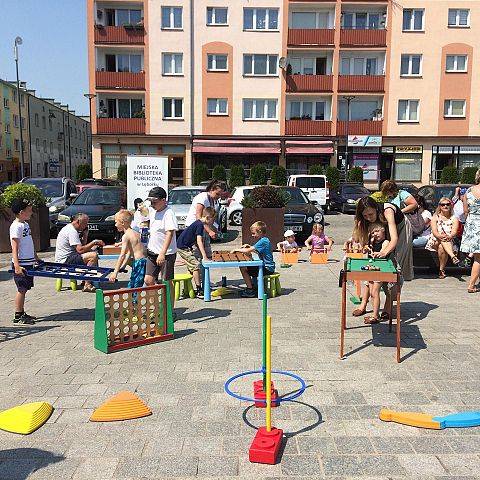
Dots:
(364, 141)
(409, 149)
(369, 164)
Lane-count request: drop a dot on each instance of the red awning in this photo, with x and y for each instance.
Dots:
(236, 146)
(309, 147)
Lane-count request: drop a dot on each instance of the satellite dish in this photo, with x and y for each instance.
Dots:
(282, 62)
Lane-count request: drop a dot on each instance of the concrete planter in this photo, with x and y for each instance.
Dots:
(274, 219)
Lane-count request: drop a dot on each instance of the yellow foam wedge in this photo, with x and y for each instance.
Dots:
(422, 420)
(25, 418)
(123, 406)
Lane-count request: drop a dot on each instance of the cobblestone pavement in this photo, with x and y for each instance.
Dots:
(197, 431)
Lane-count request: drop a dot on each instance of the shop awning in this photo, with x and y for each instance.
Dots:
(236, 146)
(309, 147)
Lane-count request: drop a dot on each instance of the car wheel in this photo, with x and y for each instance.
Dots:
(236, 218)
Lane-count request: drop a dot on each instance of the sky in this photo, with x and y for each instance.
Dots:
(53, 57)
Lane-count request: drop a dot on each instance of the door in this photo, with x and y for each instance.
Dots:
(321, 66)
(110, 64)
(111, 108)
(386, 162)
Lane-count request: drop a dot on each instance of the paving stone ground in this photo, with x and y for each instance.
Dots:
(196, 431)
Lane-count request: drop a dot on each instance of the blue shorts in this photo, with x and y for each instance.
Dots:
(137, 276)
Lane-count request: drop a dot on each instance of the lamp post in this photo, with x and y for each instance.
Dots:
(349, 99)
(19, 41)
(90, 97)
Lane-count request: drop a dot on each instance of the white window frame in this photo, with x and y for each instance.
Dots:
(172, 100)
(381, 18)
(217, 112)
(457, 18)
(267, 20)
(214, 22)
(407, 111)
(172, 17)
(364, 68)
(173, 63)
(314, 109)
(255, 55)
(412, 20)
(447, 108)
(410, 63)
(214, 62)
(455, 62)
(302, 64)
(265, 108)
(129, 14)
(129, 55)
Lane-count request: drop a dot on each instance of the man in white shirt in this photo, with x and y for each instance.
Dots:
(71, 250)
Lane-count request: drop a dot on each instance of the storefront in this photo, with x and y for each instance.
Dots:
(458, 156)
(302, 154)
(407, 164)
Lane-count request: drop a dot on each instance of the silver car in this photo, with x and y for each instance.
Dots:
(180, 199)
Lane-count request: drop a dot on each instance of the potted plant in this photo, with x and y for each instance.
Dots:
(264, 204)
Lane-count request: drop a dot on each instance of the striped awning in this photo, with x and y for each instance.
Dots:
(309, 147)
(236, 146)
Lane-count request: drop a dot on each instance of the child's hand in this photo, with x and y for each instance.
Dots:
(160, 259)
(118, 244)
(112, 277)
(19, 270)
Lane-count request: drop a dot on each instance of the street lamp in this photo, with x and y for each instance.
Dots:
(19, 41)
(90, 97)
(349, 99)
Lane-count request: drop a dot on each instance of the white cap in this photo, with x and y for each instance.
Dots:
(289, 233)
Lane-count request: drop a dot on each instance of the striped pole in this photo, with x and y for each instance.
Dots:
(264, 344)
(268, 390)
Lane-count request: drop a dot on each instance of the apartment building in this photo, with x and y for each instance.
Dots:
(285, 82)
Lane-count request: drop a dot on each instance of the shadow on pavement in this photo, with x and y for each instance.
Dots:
(14, 332)
(20, 463)
(205, 314)
(5, 276)
(77, 315)
(185, 332)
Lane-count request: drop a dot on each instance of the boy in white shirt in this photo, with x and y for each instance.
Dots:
(23, 255)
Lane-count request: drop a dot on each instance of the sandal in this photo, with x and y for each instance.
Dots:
(385, 316)
(89, 289)
(442, 275)
(371, 320)
(473, 289)
(358, 312)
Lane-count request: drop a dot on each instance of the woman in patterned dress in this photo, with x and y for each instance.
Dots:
(471, 232)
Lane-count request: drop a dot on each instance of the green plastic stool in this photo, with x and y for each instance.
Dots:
(187, 290)
(59, 285)
(272, 285)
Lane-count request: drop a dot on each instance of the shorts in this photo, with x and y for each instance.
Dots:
(137, 277)
(23, 282)
(253, 271)
(188, 256)
(166, 271)
(74, 258)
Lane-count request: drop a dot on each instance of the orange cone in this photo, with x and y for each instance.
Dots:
(123, 406)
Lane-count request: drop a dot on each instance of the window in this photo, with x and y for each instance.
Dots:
(360, 66)
(129, 63)
(17, 144)
(305, 110)
(407, 167)
(361, 21)
(45, 146)
(8, 152)
(413, 20)
(44, 122)
(15, 121)
(217, 63)
(6, 103)
(310, 20)
(260, 18)
(37, 144)
(408, 110)
(411, 65)
(217, 106)
(217, 15)
(127, 108)
(454, 108)
(456, 63)
(260, 64)
(7, 128)
(172, 108)
(172, 64)
(14, 94)
(128, 17)
(22, 122)
(50, 124)
(259, 109)
(172, 18)
(458, 17)
(22, 99)
(51, 147)
(37, 120)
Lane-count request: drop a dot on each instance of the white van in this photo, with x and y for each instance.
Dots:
(314, 186)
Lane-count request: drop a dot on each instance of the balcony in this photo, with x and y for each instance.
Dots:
(361, 83)
(123, 126)
(119, 35)
(309, 83)
(120, 80)
(363, 38)
(310, 37)
(308, 127)
(360, 127)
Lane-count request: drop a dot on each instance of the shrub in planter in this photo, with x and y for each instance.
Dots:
(219, 173)
(449, 175)
(237, 176)
(333, 177)
(200, 173)
(468, 175)
(122, 173)
(84, 170)
(279, 175)
(355, 175)
(22, 190)
(316, 170)
(258, 175)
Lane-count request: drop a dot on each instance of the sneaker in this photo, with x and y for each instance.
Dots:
(248, 293)
(199, 293)
(24, 319)
(31, 317)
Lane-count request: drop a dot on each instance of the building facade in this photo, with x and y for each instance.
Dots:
(286, 82)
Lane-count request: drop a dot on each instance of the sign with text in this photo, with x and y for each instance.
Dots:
(364, 141)
(143, 173)
(369, 164)
(409, 149)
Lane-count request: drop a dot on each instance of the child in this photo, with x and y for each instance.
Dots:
(132, 247)
(289, 244)
(23, 255)
(318, 242)
(263, 247)
(193, 236)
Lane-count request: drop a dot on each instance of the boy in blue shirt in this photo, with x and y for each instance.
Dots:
(263, 247)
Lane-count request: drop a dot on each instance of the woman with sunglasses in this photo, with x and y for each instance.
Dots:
(444, 229)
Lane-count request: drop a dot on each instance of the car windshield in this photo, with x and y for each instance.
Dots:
(297, 197)
(182, 197)
(354, 190)
(99, 196)
(310, 182)
(50, 188)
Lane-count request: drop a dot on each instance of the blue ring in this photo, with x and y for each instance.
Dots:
(252, 372)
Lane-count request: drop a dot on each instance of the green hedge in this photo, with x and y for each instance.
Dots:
(449, 175)
(258, 175)
(219, 173)
(122, 173)
(23, 191)
(200, 173)
(468, 175)
(355, 175)
(316, 170)
(84, 170)
(237, 176)
(333, 177)
(279, 175)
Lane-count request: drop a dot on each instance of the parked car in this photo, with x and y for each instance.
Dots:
(4, 185)
(314, 186)
(433, 193)
(100, 204)
(344, 198)
(59, 193)
(101, 182)
(225, 194)
(235, 207)
(180, 199)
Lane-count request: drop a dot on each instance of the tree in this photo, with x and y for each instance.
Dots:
(333, 177)
(316, 169)
(449, 175)
(84, 170)
(279, 175)
(219, 173)
(237, 176)
(200, 173)
(258, 175)
(122, 173)
(468, 175)
(355, 175)
(23, 191)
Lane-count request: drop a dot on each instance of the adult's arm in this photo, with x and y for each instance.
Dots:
(410, 204)
(393, 232)
(198, 215)
(88, 247)
(455, 226)
(465, 206)
(436, 233)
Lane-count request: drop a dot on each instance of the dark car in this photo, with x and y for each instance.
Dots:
(100, 204)
(100, 182)
(433, 193)
(344, 198)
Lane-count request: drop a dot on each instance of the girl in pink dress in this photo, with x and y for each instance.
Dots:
(318, 242)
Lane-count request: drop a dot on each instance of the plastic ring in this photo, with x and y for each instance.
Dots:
(288, 398)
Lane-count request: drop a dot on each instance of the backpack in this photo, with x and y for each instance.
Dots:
(416, 221)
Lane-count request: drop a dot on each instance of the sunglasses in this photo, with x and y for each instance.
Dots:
(445, 204)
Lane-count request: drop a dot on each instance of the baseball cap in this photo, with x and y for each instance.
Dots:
(289, 233)
(19, 204)
(157, 193)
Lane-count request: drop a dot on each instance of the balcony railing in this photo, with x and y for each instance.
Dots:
(119, 35)
(308, 127)
(120, 80)
(360, 127)
(363, 38)
(309, 83)
(127, 126)
(361, 83)
(310, 37)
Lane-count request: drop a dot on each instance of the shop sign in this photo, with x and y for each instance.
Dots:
(409, 149)
(444, 149)
(369, 164)
(470, 149)
(387, 149)
(364, 141)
